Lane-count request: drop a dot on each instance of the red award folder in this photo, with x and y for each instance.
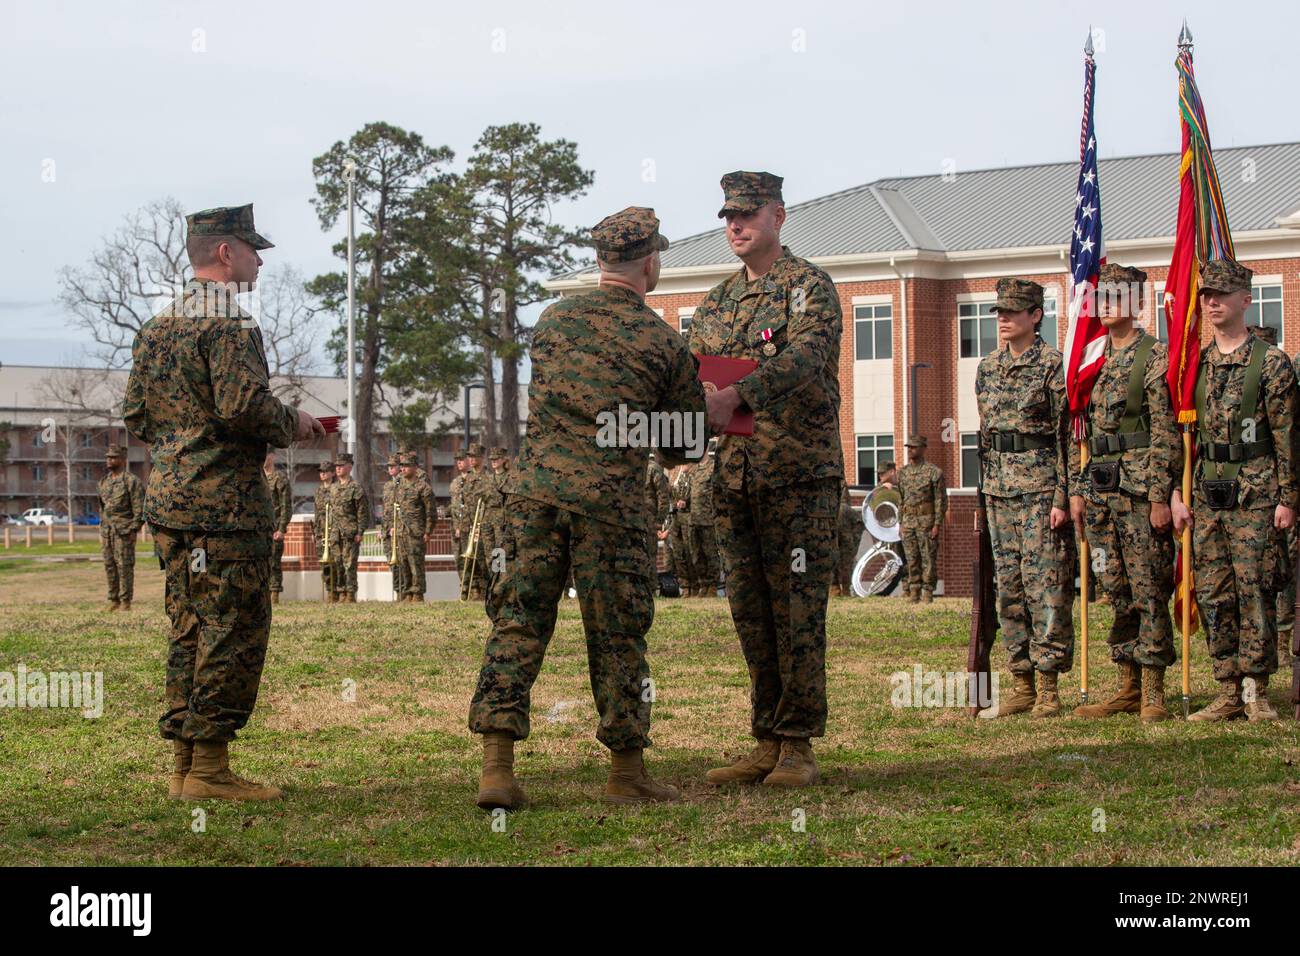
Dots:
(717, 372)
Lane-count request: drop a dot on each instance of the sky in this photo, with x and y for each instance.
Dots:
(227, 103)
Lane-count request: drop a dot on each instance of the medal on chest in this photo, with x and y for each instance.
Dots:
(769, 347)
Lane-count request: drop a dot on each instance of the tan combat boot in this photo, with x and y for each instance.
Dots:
(913, 596)
(796, 766)
(1227, 706)
(927, 596)
(1127, 699)
(751, 768)
(1048, 703)
(210, 777)
(112, 606)
(497, 786)
(1153, 696)
(126, 605)
(1258, 708)
(275, 597)
(629, 783)
(182, 758)
(1021, 699)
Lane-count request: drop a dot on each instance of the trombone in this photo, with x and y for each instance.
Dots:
(394, 556)
(471, 552)
(325, 559)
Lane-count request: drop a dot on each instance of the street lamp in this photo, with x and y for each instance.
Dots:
(350, 174)
(469, 388)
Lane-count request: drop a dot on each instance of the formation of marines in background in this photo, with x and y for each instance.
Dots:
(767, 515)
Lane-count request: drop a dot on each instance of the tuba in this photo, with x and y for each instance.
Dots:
(878, 570)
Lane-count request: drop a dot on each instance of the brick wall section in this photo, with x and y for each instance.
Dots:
(932, 339)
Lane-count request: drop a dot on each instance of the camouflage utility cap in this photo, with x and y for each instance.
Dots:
(234, 221)
(628, 235)
(344, 458)
(115, 451)
(460, 456)
(1116, 274)
(325, 466)
(498, 452)
(747, 192)
(916, 441)
(394, 460)
(409, 458)
(475, 450)
(1018, 295)
(1224, 275)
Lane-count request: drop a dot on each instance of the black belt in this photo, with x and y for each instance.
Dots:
(1234, 451)
(1019, 441)
(1117, 443)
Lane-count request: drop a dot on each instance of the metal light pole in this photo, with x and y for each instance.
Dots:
(915, 366)
(469, 388)
(350, 174)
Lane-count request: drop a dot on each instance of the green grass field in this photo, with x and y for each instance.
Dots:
(390, 778)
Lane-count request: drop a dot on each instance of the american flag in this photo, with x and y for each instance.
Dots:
(1085, 339)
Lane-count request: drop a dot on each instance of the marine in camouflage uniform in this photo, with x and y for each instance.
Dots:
(349, 518)
(1024, 424)
(678, 545)
(921, 520)
(658, 505)
(776, 492)
(578, 503)
(1288, 650)
(456, 512)
(850, 536)
(282, 506)
(199, 394)
(474, 490)
(701, 536)
(1239, 555)
(121, 513)
(417, 517)
(1132, 557)
(494, 501)
(396, 564)
(324, 515)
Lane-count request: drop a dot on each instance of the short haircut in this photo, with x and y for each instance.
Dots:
(202, 250)
(624, 268)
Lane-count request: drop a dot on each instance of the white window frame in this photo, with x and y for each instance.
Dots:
(978, 303)
(685, 314)
(873, 319)
(875, 448)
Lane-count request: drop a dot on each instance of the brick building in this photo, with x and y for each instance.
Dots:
(916, 260)
(54, 419)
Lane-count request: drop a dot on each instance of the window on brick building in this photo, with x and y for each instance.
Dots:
(977, 326)
(86, 440)
(970, 459)
(86, 473)
(873, 332)
(1266, 308)
(38, 472)
(873, 451)
(684, 317)
(1047, 331)
(38, 438)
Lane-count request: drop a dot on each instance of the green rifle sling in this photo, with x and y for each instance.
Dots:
(1249, 403)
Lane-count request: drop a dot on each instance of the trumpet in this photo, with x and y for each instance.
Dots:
(325, 555)
(471, 552)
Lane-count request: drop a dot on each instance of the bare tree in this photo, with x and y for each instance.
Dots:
(135, 272)
(86, 400)
(287, 314)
